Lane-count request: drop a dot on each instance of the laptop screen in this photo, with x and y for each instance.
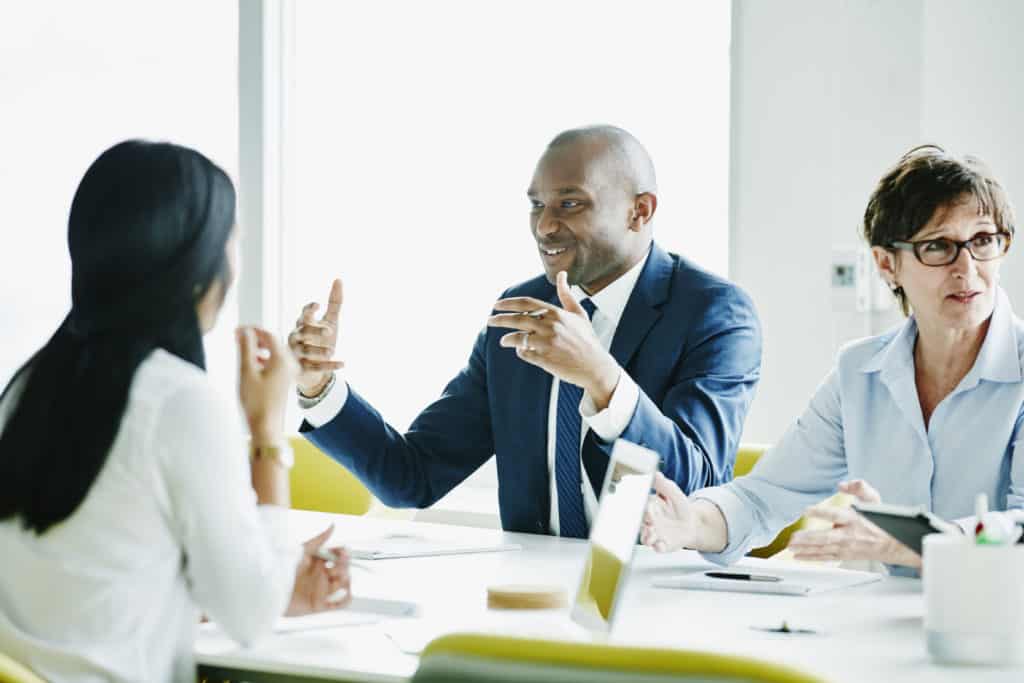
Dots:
(613, 535)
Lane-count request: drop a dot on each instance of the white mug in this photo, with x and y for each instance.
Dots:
(973, 600)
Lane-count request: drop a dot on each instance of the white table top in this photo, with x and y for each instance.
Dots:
(865, 633)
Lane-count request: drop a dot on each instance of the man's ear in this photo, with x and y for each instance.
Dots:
(644, 206)
(887, 264)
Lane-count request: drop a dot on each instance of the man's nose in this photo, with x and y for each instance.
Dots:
(547, 224)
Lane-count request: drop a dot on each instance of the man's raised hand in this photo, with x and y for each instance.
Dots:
(314, 341)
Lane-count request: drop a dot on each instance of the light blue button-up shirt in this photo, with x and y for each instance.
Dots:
(865, 422)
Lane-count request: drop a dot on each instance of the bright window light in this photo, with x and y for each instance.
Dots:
(80, 77)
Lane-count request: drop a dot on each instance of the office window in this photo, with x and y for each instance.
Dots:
(415, 130)
(79, 77)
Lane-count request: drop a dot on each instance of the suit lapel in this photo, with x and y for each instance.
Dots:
(641, 310)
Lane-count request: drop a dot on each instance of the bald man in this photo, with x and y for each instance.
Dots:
(617, 339)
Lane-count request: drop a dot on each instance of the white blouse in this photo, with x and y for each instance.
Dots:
(169, 528)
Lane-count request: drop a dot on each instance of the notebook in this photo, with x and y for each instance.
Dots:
(775, 579)
(358, 612)
(397, 545)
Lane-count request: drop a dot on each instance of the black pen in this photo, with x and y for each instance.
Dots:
(742, 577)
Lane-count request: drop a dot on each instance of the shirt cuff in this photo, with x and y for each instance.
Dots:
(739, 524)
(274, 519)
(328, 408)
(613, 420)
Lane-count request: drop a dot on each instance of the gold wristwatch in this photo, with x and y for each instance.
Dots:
(279, 452)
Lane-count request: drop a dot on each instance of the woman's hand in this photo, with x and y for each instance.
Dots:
(266, 374)
(851, 536)
(317, 579)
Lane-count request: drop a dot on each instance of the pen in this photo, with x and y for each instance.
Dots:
(327, 556)
(742, 577)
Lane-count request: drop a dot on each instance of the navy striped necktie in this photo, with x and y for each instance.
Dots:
(572, 520)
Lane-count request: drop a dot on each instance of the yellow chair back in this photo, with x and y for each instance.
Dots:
(746, 457)
(319, 483)
(14, 672)
(612, 658)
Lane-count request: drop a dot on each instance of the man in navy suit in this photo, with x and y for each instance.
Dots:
(619, 339)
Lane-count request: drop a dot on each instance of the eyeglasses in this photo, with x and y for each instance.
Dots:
(985, 246)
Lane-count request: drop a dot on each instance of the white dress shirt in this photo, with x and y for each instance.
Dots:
(169, 527)
(608, 423)
(865, 422)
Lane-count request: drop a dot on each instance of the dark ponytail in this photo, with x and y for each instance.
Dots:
(147, 235)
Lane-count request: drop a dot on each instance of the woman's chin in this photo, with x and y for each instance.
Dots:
(966, 315)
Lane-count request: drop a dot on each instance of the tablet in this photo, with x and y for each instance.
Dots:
(613, 535)
(907, 524)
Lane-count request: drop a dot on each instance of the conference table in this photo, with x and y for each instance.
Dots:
(871, 632)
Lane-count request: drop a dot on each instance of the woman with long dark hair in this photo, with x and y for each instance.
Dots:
(126, 501)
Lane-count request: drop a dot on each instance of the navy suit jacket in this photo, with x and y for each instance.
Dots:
(689, 339)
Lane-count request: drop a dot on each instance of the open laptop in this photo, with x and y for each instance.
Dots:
(613, 535)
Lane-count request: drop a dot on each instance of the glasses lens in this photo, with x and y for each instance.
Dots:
(936, 252)
(987, 246)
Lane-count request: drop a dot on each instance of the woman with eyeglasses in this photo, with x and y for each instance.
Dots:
(928, 414)
(127, 503)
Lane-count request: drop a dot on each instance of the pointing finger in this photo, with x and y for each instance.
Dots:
(525, 304)
(334, 302)
(516, 321)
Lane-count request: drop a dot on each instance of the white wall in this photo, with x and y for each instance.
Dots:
(826, 95)
(973, 96)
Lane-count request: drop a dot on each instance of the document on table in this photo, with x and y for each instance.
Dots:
(392, 546)
(788, 580)
(321, 620)
(358, 612)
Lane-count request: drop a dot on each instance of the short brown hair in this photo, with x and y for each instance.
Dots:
(924, 180)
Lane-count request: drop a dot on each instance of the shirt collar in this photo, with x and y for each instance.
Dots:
(611, 301)
(997, 361)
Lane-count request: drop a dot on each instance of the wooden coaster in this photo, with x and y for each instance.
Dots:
(523, 596)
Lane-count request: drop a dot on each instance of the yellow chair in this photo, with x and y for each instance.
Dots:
(479, 658)
(13, 672)
(319, 483)
(746, 457)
